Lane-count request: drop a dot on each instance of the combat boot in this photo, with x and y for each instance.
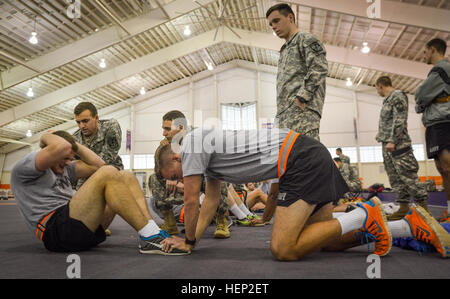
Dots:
(402, 211)
(424, 205)
(170, 224)
(222, 231)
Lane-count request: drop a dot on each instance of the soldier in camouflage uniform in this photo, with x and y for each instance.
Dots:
(103, 137)
(174, 125)
(302, 72)
(399, 161)
(165, 202)
(344, 159)
(349, 175)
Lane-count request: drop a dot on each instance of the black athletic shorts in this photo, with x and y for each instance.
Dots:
(438, 138)
(311, 175)
(64, 234)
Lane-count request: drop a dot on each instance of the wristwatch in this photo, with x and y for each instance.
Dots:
(190, 242)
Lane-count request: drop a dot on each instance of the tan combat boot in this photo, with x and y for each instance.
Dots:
(404, 209)
(222, 231)
(424, 205)
(170, 224)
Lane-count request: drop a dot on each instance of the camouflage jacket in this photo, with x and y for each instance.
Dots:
(345, 159)
(349, 174)
(165, 201)
(106, 142)
(302, 72)
(393, 123)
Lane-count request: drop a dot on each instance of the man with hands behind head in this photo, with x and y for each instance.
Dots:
(66, 220)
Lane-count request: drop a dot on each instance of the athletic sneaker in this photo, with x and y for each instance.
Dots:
(248, 221)
(376, 227)
(426, 229)
(152, 245)
(253, 216)
(444, 217)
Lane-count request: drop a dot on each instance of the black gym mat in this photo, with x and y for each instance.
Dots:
(245, 255)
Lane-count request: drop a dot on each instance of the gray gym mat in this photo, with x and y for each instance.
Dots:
(245, 255)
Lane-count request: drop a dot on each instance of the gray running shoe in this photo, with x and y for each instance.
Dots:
(152, 245)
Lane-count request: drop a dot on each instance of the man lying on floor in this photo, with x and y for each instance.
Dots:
(67, 221)
(309, 184)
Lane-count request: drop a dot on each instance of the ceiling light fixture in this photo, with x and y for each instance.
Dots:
(102, 63)
(142, 91)
(30, 92)
(187, 31)
(209, 66)
(365, 49)
(33, 39)
(349, 82)
(29, 134)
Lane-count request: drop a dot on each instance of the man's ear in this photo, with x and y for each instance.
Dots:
(291, 18)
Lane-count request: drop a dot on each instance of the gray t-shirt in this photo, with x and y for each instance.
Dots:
(39, 192)
(233, 156)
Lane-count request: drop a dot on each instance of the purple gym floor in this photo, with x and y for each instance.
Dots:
(246, 255)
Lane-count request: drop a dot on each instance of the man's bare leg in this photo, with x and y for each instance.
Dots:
(292, 238)
(108, 217)
(443, 166)
(255, 197)
(105, 186)
(133, 185)
(348, 240)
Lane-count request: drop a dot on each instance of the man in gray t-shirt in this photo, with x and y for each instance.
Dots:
(68, 221)
(309, 184)
(39, 192)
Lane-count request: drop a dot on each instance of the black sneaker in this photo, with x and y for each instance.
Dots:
(152, 245)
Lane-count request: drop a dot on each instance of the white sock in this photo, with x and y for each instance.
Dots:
(400, 229)
(237, 212)
(245, 210)
(352, 220)
(149, 230)
(338, 214)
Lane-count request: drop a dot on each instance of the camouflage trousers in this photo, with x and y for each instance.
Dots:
(402, 172)
(306, 122)
(354, 186)
(165, 203)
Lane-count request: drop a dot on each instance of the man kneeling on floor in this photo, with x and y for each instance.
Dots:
(309, 184)
(67, 220)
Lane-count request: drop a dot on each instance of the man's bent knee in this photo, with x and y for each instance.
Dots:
(127, 174)
(108, 172)
(283, 252)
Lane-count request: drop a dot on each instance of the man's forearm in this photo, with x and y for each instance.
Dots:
(89, 157)
(271, 203)
(269, 209)
(191, 214)
(207, 212)
(192, 186)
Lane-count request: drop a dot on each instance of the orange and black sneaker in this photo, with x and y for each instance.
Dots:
(376, 227)
(444, 217)
(426, 229)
